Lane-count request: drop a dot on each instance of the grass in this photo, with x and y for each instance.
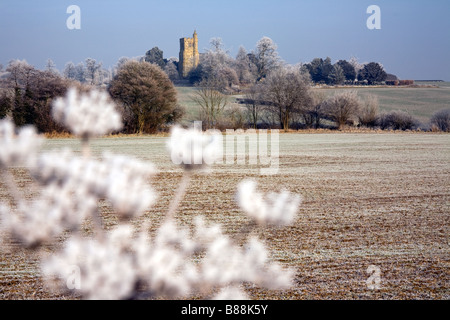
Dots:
(378, 199)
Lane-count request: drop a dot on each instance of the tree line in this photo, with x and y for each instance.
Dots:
(275, 94)
(251, 67)
(144, 94)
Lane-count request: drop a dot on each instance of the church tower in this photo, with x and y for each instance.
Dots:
(189, 56)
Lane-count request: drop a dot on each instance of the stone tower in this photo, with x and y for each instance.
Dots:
(189, 56)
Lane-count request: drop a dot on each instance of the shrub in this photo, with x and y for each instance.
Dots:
(441, 120)
(368, 113)
(405, 82)
(398, 120)
(392, 82)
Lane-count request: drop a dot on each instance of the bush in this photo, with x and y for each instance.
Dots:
(147, 96)
(441, 120)
(405, 82)
(398, 120)
(368, 114)
(392, 82)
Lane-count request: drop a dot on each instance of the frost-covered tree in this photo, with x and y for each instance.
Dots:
(216, 66)
(93, 71)
(267, 58)
(51, 66)
(357, 66)
(171, 69)
(156, 56)
(286, 91)
(245, 69)
(70, 71)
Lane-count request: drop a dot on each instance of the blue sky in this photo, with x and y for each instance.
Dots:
(413, 42)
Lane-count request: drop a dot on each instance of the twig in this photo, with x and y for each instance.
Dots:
(179, 195)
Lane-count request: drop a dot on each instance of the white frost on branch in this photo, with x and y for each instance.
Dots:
(17, 148)
(112, 267)
(57, 209)
(119, 179)
(87, 115)
(273, 208)
(118, 264)
(231, 293)
(106, 270)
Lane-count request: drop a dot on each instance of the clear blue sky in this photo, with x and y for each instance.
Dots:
(413, 42)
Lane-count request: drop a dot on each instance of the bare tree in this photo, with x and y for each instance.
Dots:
(342, 107)
(313, 110)
(51, 66)
(211, 101)
(216, 44)
(286, 91)
(253, 103)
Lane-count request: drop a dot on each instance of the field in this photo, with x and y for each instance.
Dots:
(368, 199)
(421, 102)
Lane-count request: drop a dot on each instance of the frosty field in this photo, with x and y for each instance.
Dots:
(420, 102)
(369, 199)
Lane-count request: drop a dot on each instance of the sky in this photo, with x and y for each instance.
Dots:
(413, 42)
